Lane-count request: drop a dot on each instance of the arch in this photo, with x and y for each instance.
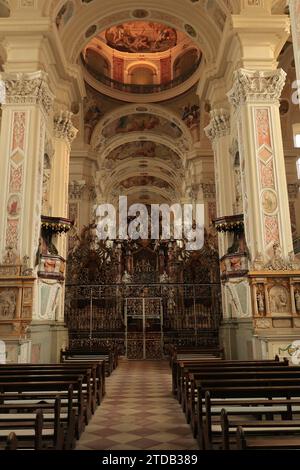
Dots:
(97, 136)
(145, 66)
(154, 139)
(185, 61)
(97, 61)
(206, 34)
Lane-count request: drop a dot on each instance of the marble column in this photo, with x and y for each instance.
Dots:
(26, 111)
(294, 6)
(64, 134)
(218, 131)
(255, 100)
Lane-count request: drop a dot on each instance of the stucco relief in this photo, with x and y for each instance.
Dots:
(271, 229)
(257, 85)
(263, 323)
(19, 124)
(16, 179)
(12, 235)
(267, 174)
(269, 201)
(28, 89)
(263, 127)
(279, 299)
(8, 299)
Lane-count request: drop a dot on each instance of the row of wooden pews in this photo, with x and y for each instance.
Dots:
(47, 406)
(110, 357)
(238, 404)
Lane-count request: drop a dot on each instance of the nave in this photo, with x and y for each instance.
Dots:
(139, 412)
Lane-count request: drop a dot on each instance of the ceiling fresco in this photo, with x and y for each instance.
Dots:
(144, 149)
(141, 36)
(142, 122)
(144, 181)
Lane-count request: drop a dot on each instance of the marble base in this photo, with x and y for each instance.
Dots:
(17, 351)
(47, 341)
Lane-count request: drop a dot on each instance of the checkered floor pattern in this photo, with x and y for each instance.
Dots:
(139, 412)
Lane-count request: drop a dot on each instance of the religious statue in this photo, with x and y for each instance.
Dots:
(164, 278)
(7, 304)
(26, 270)
(260, 303)
(127, 278)
(171, 301)
(278, 263)
(297, 300)
(10, 257)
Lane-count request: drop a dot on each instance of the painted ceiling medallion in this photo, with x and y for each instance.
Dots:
(141, 36)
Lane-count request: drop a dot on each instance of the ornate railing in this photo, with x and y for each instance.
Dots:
(98, 312)
(141, 89)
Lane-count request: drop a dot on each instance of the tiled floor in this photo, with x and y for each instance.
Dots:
(138, 412)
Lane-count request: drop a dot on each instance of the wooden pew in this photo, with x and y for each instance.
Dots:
(12, 442)
(109, 356)
(86, 388)
(178, 365)
(32, 432)
(228, 373)
(19, 409)
(188, 374)
(27, 392)
(269, 441)
(254, 412)
(263, 434)
(95, 369)
(245, 393)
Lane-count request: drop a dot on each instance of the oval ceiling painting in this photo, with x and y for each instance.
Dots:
(141, 36)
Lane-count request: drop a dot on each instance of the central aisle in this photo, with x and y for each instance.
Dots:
(139, 412)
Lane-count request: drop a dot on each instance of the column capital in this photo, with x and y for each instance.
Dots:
(76, 189)
(219, 125)
(209, 190)
(63, 127)
(27, 89)
(257, 85)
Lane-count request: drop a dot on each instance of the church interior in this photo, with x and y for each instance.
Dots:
(127, 343)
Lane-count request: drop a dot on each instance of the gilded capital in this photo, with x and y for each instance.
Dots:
(27, 89)
(219, 125)
(257, 85)
(63, 127)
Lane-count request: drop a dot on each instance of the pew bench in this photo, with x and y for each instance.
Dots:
(109, 356)
(32, 433)
(245, 394)
(268, 441)
(284, 431)
(95, 369)
(194, 379)
(178, 365)
(251, 411)
(45, 392)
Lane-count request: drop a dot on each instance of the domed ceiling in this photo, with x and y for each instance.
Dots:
(133, 54)
(141, 37)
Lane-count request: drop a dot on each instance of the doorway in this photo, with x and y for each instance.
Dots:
(144, 328)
